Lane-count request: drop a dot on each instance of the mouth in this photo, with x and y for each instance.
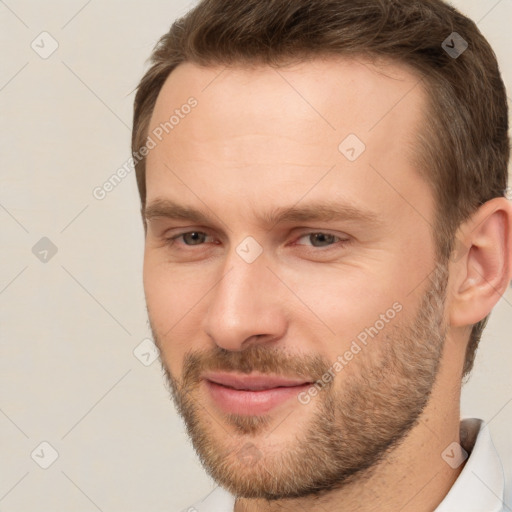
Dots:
(253, 382)
(251, 394)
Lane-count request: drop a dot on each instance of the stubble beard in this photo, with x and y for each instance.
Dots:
(352, 428)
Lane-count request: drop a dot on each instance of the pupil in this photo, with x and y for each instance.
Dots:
(322, 238)
(194, 236)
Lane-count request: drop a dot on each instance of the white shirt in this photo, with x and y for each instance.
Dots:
(480, 486)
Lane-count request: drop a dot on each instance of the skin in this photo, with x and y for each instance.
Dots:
(262, 138)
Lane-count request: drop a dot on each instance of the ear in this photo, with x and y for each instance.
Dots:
(482, 268)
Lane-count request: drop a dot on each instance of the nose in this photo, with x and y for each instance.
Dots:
(245, 306)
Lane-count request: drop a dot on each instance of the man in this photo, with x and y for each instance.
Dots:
(323, 191)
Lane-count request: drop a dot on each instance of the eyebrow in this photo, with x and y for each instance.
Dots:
(325, 211)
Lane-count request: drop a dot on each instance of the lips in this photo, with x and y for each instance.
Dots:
(253, 382)
(251, 395)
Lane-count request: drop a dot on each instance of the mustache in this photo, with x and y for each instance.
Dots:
(256, 358)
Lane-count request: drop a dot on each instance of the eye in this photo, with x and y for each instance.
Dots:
(194, 237)
(320, 239)
(315, 239)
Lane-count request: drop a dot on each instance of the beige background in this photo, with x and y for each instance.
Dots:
(68, 374)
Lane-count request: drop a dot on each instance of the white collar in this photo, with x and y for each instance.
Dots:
(480, 486)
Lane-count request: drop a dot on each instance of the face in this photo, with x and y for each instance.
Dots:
(288, 269)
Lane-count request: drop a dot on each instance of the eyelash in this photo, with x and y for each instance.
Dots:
(172, 240)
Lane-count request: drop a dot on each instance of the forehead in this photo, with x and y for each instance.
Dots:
(255, 132)
(333, 89)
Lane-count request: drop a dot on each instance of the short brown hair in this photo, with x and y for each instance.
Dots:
(464, 146)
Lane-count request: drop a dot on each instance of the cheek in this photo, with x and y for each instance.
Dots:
(169, 290)
(347, 300)
(174, 307)
(351, 312)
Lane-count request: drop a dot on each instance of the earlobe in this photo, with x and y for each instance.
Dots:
(483, 272)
